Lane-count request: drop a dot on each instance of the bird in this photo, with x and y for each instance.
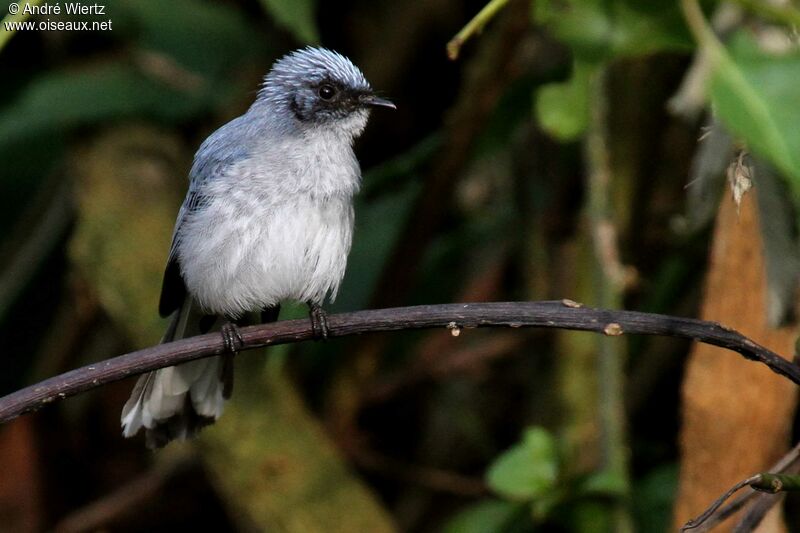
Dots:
(268, 218)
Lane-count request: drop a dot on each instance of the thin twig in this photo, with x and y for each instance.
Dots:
(564, 314)
(767, 482)
(474, 27)
(765, 501)
(786, 464)
(698, 521)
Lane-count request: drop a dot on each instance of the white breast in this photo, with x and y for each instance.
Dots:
(275, 226)
(237, 258)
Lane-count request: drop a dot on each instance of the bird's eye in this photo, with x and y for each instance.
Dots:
(327, 91)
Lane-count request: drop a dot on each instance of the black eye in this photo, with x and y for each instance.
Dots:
(327, 91)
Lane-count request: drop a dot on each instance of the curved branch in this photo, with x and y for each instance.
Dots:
(564, 314)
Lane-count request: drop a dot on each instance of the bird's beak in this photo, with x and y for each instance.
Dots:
(374, 101)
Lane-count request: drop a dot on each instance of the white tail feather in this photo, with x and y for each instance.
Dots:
(164, 394)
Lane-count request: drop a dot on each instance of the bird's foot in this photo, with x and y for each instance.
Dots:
(231, 338)
(319, 321)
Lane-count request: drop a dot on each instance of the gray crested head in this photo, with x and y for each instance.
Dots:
(317, 87)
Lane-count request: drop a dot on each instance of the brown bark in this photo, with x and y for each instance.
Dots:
(736, 418)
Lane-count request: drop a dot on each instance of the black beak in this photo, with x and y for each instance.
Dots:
(371, 100)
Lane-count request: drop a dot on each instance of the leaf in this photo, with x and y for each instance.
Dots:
(206, 38)
(757, 96)
(562, 109)
(489, 516)
(10, 20)
(598, 30)
(527, 470)
(603, 483)
(64, 100)
(584, 25)
(185, 50)
(643, 27)
(297, 16)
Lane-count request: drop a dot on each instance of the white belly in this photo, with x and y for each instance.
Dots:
(237, 258)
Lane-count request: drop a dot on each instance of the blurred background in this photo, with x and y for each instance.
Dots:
(568, 151)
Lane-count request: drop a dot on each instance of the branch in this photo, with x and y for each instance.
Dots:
(788, 464)
(564, 314)
(473, 27)
(763, 482)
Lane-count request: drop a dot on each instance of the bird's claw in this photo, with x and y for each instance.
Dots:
(319, 322)
(231, 338)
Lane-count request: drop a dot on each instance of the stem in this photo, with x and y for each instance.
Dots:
(764, 482)
(774, 483)
(5, 35)
(563, 314)
(609, 280)
(701, 31)
(698, 521)
(788, 464)
(473, 27)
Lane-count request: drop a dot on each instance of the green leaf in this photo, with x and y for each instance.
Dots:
(59, 101)
(183, 54)
(297, 16)
(584, 25)
(489, 516)
(598, 30)
(562, 109)
(643, 27)
(204, 37)
(527, 470)
(757, 96)
(603, 483)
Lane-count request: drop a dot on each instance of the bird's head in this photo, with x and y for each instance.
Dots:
(321, 88)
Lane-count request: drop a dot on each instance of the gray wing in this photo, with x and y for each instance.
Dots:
(215, 156)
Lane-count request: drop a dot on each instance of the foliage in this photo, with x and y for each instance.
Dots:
(597, 33)
(490, 516)
(406, 430)
(601, 30)
(528, 470)
(755, 94)
(297, 16)
(67, 100)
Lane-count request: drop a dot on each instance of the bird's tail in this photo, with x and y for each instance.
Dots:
(176, 402)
